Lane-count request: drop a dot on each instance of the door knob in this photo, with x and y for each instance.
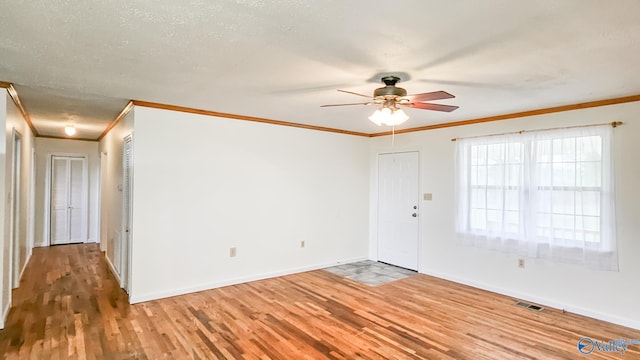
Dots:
(415, 207)
(414, 215)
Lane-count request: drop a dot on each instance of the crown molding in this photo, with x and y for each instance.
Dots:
(585, 105)
(590, 104)
(64, 138)
(115, 121)
(244, 118)
(16, 100)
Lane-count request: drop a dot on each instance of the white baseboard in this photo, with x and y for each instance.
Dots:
(5, 314)
(133, 298)
(542, 301)
(40, 245)
(113, 269)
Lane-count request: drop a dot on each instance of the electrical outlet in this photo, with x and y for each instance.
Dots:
(232, 252)
(521, 263)
(302, 243)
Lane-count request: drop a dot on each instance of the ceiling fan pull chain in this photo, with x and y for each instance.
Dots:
(393, 135)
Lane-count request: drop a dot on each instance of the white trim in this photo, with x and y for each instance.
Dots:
(112, 268)
(102, 201)
(46, 236)
(134, 298)
(542, 301)
(31, 213)
(5, 314)
(15, 203)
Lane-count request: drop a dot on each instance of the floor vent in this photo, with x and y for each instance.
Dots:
(529, 306)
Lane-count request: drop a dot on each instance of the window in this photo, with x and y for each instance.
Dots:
(546, 194)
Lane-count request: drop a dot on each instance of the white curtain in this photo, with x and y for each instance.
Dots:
(543, 194)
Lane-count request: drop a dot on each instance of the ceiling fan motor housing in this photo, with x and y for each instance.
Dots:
(390, 90)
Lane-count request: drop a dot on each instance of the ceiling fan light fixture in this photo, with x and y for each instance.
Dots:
(70, 130)
(389, 117)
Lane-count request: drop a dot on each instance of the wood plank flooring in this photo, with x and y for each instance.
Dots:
(69, 306)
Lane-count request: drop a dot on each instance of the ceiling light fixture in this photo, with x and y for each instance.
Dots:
(390, 116)
(70, 130)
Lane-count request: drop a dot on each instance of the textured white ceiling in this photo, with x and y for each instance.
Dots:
(81, 61)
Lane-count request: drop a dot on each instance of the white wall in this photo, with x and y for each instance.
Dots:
(205, 184)
(46, 147)
(10, 119)
(110, 148)
(611, 296)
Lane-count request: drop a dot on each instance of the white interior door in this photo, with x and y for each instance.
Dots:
(68, 200)
(398, 194)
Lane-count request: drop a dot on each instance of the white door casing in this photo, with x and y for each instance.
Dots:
(16, 171)
(398, 195)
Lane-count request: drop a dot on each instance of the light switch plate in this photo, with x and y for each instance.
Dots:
(428, 196)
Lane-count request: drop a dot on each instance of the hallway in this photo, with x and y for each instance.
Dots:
(68, 305)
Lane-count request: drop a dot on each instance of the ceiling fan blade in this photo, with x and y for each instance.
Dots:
(354, 93)
(363, 103)
(435, 95)
(429, 106)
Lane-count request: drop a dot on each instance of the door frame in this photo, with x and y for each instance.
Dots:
(375, 197)
(102, 201)
(14, 222)
(47, 195)
(31, 227)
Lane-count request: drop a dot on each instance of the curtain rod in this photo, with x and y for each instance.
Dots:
(613, 124)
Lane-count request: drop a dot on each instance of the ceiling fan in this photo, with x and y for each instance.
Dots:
(390, 98)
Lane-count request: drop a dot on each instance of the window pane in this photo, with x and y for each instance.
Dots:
(562, 202)
(479, 154)
(512, 200)
(514, 153)
(478, 198)
(512, 217)
(589, 174)
(568, 149)
(591, 223)
(559, 221)
(495, 154)
(482, 175)
(588, 202)
(478, 219)
(564, 174)
(543, 220)
(543, 151)
(590, 148)
(513, 176)
(495, 175)
(494, 219)
(494, 199)
(544, 174)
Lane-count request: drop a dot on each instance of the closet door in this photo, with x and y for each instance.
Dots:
(68, 205)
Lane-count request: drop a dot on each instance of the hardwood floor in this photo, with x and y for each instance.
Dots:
(69, 306)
